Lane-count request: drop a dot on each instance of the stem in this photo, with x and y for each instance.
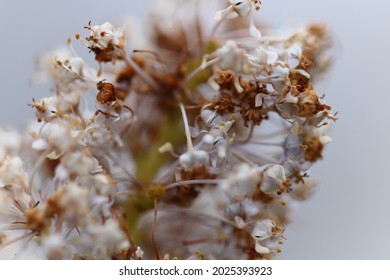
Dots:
(130, 62)
(36, 167)
(192, 182)
(153, 228)
(227, 11)
(132, 178)
(199, 69)
(192, 212)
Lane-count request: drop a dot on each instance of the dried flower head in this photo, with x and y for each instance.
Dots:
(195, 146)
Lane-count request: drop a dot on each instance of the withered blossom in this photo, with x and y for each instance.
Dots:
(194, 146)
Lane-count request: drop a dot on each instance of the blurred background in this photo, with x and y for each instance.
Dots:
(348, 216)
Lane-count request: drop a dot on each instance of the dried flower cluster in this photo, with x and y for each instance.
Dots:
(196, 144)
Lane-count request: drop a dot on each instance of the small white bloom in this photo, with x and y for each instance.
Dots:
(325, 139)
(12, 171)
(103, 240)
(242, 181)
(239, 222)
(231, 57)
(70, 70)
(263, 56)
(242, 8)
(55, 247)
(73, 200)
(273, 179)
(261, 232)
(193, 158)
(218, 129)
(46, 108)
(103, 35)
(294, 55)
(279, 78)
(10, 143)
(139, 253)
(57, 136)
(78, 163)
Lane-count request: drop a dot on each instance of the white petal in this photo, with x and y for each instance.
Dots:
(276, 171)
(293, 62)
(272, 57)
(40, 144)
(261, 249)
(303, 73)
(262, 230)
(226, 13)
(244, 8)
(258, 101)
(325, 139)
(208, 139)
(239, 222)
(201, 156)
(290, 98)
(139, 253)
(253, 29)
(295, 50)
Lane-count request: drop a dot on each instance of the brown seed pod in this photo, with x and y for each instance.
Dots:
(106, 94)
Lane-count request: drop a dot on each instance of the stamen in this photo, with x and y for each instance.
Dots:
(199, 69)
(130, 62)
(186, 127)
(36, 167)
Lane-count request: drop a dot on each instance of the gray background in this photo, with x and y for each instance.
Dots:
(347, 218)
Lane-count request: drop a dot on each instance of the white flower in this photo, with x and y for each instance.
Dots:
(279, 78)
(102, 240)
(261, 232)
(55, 136)
(12, 171)
(263, 55)
(72, 200)
(231, 57)
(47, 66)
(46, 108)
(273, 179)
(73, 68)
(242, 8)
(241, 181)
(103, 35)
(294, 55)
(10, 142)
(77, 163)
(139, 253)
(64, 68)
(55, 247)
(218, 128)
(193, 158)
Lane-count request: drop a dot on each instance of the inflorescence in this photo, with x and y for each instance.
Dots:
(196, 145)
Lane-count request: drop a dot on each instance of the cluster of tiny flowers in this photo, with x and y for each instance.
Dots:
(196, 144)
